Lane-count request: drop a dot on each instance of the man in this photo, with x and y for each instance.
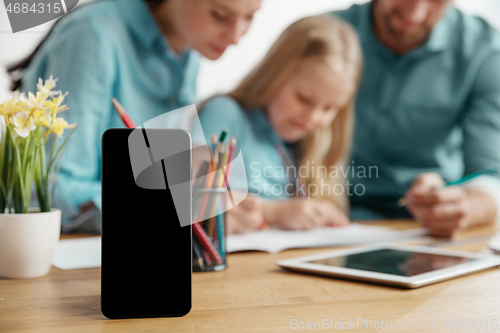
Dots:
(427, 113)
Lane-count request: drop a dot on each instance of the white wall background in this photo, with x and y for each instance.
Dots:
(222, 75)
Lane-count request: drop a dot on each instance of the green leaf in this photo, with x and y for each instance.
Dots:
(58, 157)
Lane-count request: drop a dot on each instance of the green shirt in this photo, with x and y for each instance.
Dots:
(434, 109)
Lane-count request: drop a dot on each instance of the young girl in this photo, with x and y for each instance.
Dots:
(299, 99)
(146, 54)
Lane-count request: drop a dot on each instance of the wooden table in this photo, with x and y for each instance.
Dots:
(254, 295)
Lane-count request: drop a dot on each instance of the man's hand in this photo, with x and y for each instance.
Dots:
(446, 211)
(303, 214)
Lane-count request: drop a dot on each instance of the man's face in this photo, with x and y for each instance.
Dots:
(409, 22)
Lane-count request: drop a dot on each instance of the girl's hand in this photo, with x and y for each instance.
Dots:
(302, 214)
(246, 216)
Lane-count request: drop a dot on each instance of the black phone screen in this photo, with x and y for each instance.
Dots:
(146, 254)
(395, 262)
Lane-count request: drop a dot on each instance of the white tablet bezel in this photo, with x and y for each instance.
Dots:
(302, 264)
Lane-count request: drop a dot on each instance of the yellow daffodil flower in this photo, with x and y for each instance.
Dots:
(26, 112)
(8, 108)
(23, 124)
(30, 119)
(46, 88)
(54, 105)
(36, 101)
(43, 120)
(59, 125)
(20, 98)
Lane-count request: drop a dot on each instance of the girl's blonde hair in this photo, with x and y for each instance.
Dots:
(335, 43)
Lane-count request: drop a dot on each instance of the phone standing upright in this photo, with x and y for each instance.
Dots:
(146, 253)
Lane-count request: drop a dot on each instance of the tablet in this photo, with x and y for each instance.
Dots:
(400, 266)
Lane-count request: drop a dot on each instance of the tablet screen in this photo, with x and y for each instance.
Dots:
(395, 262)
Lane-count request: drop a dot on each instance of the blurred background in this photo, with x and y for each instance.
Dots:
(222, 75)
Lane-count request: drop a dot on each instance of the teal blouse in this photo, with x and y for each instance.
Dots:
(103, 49)
(264, 172)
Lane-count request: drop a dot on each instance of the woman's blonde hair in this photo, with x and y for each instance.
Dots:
(335, 43)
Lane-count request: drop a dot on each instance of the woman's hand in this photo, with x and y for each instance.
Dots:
(246, 216)
(302, 214)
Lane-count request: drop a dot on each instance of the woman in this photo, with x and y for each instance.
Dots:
(144, 53)
(298, 99)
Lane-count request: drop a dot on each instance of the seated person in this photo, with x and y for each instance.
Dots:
(146, 53)
(299, 100)
(427, 113)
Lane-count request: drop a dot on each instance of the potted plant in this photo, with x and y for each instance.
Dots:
(30, 156)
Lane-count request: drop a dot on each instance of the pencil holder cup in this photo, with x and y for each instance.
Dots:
(209, 235)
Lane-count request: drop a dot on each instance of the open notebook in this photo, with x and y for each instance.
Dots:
(274, 241)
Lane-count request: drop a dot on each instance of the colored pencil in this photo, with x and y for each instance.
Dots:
(232, 144)
(222, 136)
(218, 183)
(198, 254)
(232, 147)
(220, 233)
(207, 258)
(211, 237)
(206, 243)
(213, 139)
(209, 180)
(127, 121)
(286, 161)
(203, 171)
(215, 199)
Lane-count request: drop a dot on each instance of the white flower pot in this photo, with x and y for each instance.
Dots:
(28, 242)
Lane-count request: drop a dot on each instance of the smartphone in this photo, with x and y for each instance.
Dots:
(146, 253)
